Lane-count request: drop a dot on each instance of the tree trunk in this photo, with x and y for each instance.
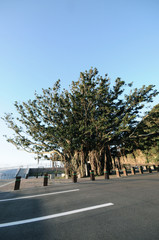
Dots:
(92, 160)
(67, 165)
(107, 159)
(66, 170)
(99, 162)
(82, 165)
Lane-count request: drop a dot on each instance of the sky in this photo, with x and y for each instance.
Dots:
(43, 41)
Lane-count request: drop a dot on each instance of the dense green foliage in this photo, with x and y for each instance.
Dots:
(83, 124)
(148, 134)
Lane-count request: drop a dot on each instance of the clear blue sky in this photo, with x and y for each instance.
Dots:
(42, 41)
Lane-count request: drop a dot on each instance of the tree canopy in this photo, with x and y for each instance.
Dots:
(147, 134)
(81, 125)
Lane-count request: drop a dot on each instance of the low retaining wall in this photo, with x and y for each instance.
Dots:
(33, 172)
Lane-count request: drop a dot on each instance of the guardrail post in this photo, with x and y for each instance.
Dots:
(132, 170)
(74, 176)
(92, 177)
(45, 179)
(141, 170)
(106, 174)
(17, 183)
(125, 173)
(117, 172)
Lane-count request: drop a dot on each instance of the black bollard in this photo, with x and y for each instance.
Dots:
(45, 179)
(149, 170)
(74, 176)
(141, 170)
(92, 177)
(106, 174)
(154, 167)
(17, 183)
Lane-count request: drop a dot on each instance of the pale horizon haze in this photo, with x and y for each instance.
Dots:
(43, 41)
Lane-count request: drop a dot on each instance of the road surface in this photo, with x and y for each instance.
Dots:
(125, 208)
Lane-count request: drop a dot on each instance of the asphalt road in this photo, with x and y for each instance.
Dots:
(132, 214)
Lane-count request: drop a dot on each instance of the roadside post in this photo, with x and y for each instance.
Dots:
(149, 169)
(74, 176)
(141, 170)
(106, 174)
(92, 177)
(117, 172)
(45, 179)
(17, 183)
(125, 173)
(132, 170)
(154, 167)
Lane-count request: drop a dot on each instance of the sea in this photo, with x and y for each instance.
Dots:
(11, 172)
(8, 173)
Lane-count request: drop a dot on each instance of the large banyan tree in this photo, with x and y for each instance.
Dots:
(82, 125)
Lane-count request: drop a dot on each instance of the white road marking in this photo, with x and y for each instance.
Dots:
(6, 184)
(38, 195)
(9, 224)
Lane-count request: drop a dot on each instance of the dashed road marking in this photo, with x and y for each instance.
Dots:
(38, 195)
(9, 224)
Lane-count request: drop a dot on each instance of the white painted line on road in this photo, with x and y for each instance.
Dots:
(6, 184)
(39, 195)
(55, 215)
